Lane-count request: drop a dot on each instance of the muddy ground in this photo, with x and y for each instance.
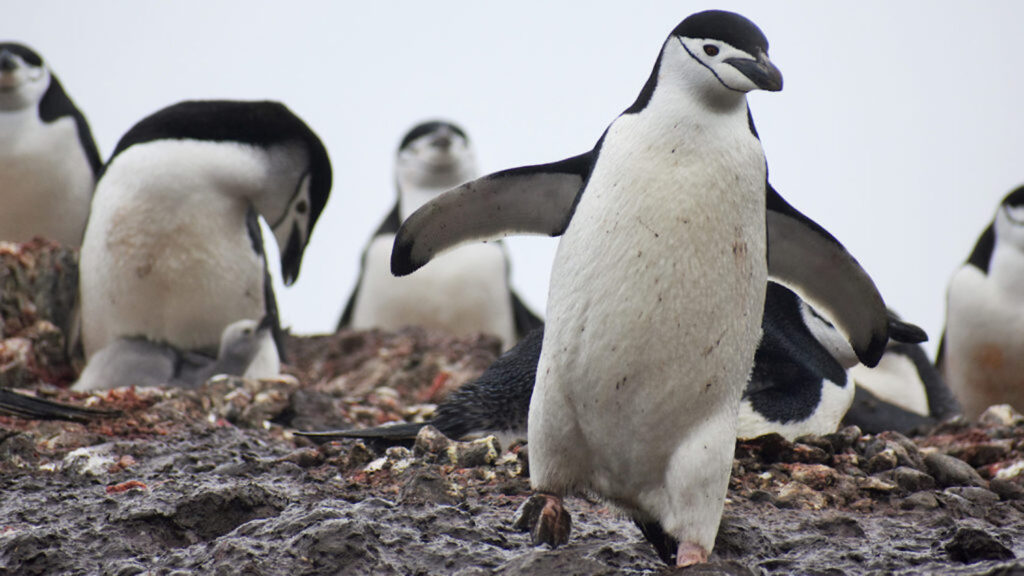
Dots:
(212, 481)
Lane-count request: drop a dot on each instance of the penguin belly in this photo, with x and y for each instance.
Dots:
(654, 315)
(895, 380)
(984, 343)
(175, 265)
(464, 292)
(46, 181)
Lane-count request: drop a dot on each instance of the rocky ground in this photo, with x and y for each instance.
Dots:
(212, 481)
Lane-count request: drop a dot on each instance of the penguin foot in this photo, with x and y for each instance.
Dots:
(689, 554)
(546, 519)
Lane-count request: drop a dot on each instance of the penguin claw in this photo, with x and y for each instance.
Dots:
(689, 554)
(546, 519)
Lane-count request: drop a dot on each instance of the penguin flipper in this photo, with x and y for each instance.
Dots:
(25, 406)
(526, 321)
(393, 432)
(804, 256)
(536, 199)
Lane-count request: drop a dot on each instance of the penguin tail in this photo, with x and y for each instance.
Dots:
(26, 406)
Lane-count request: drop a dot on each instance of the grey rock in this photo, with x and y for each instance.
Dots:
(950, 471)
(971, 545)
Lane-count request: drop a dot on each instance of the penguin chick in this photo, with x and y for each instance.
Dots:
(173, 251)
(48, 159)
(466, 291)
(982, 351)
(140, 362)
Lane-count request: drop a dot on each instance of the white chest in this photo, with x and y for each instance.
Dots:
(167, 256)
(46, 181)
(464, 292)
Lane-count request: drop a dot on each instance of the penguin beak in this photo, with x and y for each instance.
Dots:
(291, 256)
(761, 72)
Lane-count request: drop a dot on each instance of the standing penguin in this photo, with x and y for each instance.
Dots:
(173, 251)
(657, 288)
(48, 159)
(982, 350)
(466, 291)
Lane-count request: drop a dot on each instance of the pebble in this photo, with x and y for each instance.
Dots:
(480, 452)
(971, 545)
(950, 471)
(882, 461)
(920, 501)
(974, 494)
(984, 453)
(800, 496)
(1006, 489)
(817, 476)
(910, 479)
(1001, 415)
(844, 438)
(430, 441)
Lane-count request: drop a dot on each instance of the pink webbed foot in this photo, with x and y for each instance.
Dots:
(688, 554)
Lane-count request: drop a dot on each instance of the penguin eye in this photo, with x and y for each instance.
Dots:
(711, 50)
(301, 207)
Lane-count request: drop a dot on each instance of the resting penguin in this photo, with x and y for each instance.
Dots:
(657, 288)
(173, 251)
(799, 384)
(466, 291)
(48, 159)
(982, 350)
(244, 345)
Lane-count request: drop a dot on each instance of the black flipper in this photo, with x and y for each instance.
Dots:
(805, 257)
(25, 406)
(536, 199)
(526, 321)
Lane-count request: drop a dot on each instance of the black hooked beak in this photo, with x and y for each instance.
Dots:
(761, 72)
(291, 257)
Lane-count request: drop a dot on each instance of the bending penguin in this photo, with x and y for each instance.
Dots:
(657, 289)
(48, 159)
(466, 291)
(982, 349)
(173, 251)
(245, 348)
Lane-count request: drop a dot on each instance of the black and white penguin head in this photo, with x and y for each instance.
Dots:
(24, 79)
(433, 157)
(827, 335)
(294, 180)
(1009, 222)
(718, 56)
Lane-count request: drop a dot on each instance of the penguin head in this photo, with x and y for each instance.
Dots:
(433, 157)
(242, 340)
(1009, 224)
(291, 189)
(24, 78)
(726, 51)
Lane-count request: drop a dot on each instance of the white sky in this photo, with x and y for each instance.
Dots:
(898, 129)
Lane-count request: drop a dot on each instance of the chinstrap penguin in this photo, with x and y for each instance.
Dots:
(140, 362)
(48, 159)
(173, 251)
(657, 289)
(982, 350)
(464, 292)
(14, 403)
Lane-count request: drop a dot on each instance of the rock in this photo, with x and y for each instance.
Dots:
(910, 479)
(1006, 489)
(1001, 415)
(875, 484)
(920, 501)
(800, 496)
(839, 526)
(481, 452)
(430, 442)
(974, 494)
(983, 453)
(817, 476)
(950, 471)
(882, 461)
(426, 486)
(971, 545)
(844, 438)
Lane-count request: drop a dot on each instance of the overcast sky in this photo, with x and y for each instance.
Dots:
(898, 129)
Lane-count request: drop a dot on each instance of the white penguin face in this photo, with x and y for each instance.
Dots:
(242, 340)
(1010, 220)
(439, 157)
(291, 230)
(23, 78)
(733, 68)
